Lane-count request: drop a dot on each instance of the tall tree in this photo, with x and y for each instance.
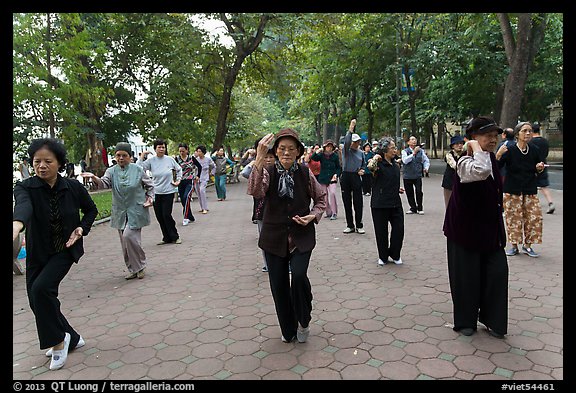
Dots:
(521, 48)
(246, 39)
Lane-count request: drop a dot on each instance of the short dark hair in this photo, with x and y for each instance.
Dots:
(52, 144)
(184, 145)
(202, 148)
(159, 142)
(536, 128)
(509, 132)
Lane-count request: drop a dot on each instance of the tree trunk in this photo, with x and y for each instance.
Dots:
(370, 112)
(325, 130)
(318, 128)
(94, 155)
(244, 46)
(224, 109)
(520, 53)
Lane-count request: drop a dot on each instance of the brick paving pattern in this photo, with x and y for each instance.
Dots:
(205, 311)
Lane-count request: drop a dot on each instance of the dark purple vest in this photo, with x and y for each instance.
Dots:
(474, 214)
(277, 220)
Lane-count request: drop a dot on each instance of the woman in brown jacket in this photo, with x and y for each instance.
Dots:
(288, 235)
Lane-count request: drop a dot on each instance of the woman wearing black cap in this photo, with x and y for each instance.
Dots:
(288, 235)
(132, 194)
(474, 228)
(456, 147)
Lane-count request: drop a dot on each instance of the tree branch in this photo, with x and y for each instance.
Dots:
(507, 36)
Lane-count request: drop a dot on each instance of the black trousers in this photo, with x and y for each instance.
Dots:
(381, 218)
(479, 287)
(163, 209)
(42, 282)
(411, 186)
(351, 186)
(293, 300)
(367, 183)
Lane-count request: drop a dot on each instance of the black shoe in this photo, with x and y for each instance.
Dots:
(467, 331)
(495, 334)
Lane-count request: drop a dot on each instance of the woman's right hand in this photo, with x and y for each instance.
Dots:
(87, 175)
(503, 149)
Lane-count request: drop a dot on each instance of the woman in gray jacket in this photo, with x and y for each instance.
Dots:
(132, 194)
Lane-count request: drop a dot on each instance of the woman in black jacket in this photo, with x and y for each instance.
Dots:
(48, 206)
(386, 204)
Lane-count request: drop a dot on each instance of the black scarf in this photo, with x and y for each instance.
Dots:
(286, 182)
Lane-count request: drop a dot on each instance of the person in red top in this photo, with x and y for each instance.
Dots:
(314, 166)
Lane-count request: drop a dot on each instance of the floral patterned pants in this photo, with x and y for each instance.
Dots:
(523, 216)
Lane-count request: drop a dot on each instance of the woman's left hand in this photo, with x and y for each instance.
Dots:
(75, 235)
(304, 220)
(148, 202)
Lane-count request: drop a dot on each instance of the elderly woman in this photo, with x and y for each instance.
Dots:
(330, 170)
(474, 229)
(386, 204)
(521, 204)
(288, 235)
(132, 194)
(48, 206)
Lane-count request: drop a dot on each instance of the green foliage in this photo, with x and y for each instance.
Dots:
(162, 74)
(103, 201)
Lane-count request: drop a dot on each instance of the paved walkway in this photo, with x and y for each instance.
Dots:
(204, 309)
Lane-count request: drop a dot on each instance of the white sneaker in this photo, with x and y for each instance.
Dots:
(398, 261)
(185, 222)
(59, 356)
(381, 262)
(348, 230)
(360, 231)
(80, 344)
(421, 212)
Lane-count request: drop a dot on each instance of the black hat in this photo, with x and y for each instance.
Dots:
(482, 125)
